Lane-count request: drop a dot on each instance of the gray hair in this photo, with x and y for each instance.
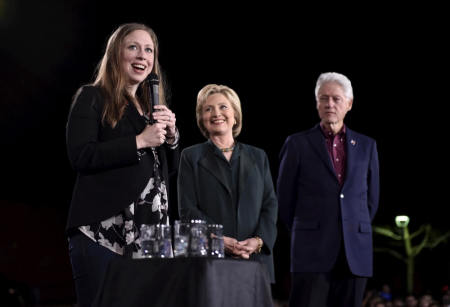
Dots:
(343, 81)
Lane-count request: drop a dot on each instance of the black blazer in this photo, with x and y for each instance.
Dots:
(203, 193)
(109, 174)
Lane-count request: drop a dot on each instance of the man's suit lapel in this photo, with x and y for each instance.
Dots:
(351, 146)
(210, 164)
(317, 141)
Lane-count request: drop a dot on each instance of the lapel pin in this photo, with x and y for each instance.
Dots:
(353, 142)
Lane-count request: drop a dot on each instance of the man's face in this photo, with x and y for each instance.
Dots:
(332, 104)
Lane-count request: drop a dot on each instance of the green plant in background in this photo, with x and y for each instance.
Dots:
(430, 238)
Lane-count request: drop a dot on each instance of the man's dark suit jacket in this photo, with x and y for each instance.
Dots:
(318, 211)
(109, 174)
(203, 193)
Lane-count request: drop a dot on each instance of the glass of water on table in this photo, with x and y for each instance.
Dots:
(149, 242)
(181, 231)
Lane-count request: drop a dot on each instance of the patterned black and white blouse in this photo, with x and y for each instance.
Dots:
(120, 233)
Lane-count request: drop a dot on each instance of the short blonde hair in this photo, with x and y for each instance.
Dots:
(232, 97)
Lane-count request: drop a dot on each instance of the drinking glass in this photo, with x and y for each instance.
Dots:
(198, 243)
(149, 246)
(164, 236)
(181, 231)
(216, 245)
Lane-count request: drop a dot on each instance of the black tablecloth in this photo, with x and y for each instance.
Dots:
(185, 282)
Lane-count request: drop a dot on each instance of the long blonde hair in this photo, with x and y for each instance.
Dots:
(111, 78)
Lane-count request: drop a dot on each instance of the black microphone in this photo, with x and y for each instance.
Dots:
(153, 89)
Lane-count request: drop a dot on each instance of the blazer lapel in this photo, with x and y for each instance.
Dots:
(135, 119)
(351, 146)
(209, 163)
(245, 165)
(318, 144)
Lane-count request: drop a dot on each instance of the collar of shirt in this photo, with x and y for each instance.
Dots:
(328, 134)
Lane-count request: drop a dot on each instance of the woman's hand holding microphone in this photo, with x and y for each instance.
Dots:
(156, 134)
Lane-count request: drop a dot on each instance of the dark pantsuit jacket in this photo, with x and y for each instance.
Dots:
(318, 211)
(203, 193)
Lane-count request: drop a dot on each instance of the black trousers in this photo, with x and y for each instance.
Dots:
(89, 262)
(338, 288)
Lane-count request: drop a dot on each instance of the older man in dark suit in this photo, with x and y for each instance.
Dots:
(328, 191)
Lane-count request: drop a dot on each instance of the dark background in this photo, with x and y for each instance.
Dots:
(396, 58)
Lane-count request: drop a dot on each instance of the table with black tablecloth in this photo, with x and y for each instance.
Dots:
(185, 282)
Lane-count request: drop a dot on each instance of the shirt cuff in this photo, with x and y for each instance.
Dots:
(175, 139)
